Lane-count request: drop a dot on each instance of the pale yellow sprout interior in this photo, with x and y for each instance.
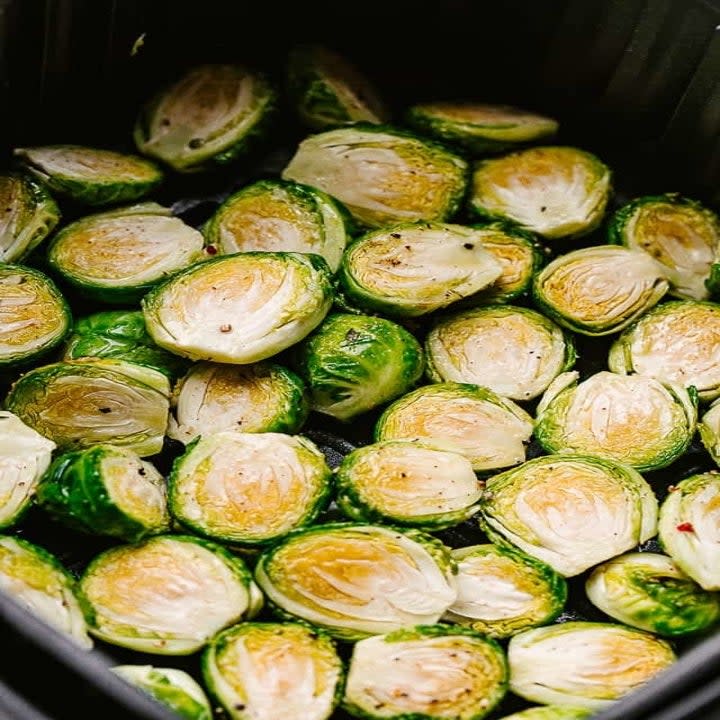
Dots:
(515, 258)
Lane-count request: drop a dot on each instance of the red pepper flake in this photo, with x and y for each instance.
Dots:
(685, 527)
(211, 250)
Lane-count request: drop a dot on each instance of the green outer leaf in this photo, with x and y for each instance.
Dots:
(550, 712)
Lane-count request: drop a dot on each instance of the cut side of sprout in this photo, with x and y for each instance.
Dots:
(709, 428)
(550, 712)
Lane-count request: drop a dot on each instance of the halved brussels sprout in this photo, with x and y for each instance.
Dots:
(487, 429)
(209, 116)
(106, 490)
(249, 489)
(584, 664)
(633, 419)
(120, 334)
(117, 256)
(408, 484)
(502, 591)
(172, 687)
(570, 511)
(550, 712)
(27, 217)
(353, 363)
(557, 192)
(252, 398)
(676, 342)
(648, 591)
(709, 428)
(426, 672)
(35, 579)
(358, 580)
(34, 317)
(89, 175)
(79, 403)
(240, 308)
(415, 268)
(265, 671)
(383, 175)
(327, 90)
(167, 595)
(690, 528)
(513, 351)
(599, 290)
(480, 128)
(680, 234)
(278, 215)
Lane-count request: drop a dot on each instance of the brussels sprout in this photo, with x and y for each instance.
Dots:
(599, 290)
(172, 687)
(353, 363)
(383, 175)
(27, 216)
(253, 398)
(426, 672)
(89, 175)
(689, 522)
(479, 128)
(414, 268)
(358, 580)
(277, 215)
(408, 484)
(265, 671)
(116, 256)
(120, 334)
(502, 591)
(676, 342)
(648, 591)
(210, 116)
(167, 595)
(35, 579)
(709, 428)
(246, 488)
(327, 90)
(557, 192)
(488, 430)
(633, 419)
(680, 234)
(570, 511)
(513, 351)
(550, 712)
(79, 403)
(241, 308)
(106, 490)
(584, 664)
(34, 317)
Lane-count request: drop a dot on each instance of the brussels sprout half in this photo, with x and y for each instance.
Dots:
(570, 511)
(27, 216)
(383, 175)
(240, 308)
(34, 317)
(209, 116)
(599, 290)
(468, 419)
(426, 672)
(680, 234)
(79, 403)
(277, 215)
(106, 490)
(265, 671)
(550, 712)
(647, 591)
(689, 528)
(633, 419)
(357, 580)
(353, 363)
(407, 484)
(513, 351)
(415, 268)
(89, 175)
(37, 580)
(557, 192)
(502, 591)
(167, 595)
(709, 429)
(584, 664)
